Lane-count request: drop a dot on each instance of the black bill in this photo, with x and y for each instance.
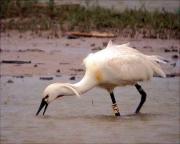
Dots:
(43, 104)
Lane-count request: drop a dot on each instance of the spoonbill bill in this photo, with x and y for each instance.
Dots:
(116, 65)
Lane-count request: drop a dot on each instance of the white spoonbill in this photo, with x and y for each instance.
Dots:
(116, 65)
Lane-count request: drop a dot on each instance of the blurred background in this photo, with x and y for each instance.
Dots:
(151, 19)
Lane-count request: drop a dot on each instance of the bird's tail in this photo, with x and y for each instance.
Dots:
(158, 59)
(155, 65)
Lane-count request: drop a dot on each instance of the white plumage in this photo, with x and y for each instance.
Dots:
(122, 65)
(116, 65)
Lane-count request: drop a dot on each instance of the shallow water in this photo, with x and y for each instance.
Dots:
(89, 119)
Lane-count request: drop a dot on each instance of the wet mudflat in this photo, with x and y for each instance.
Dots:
(89, 119)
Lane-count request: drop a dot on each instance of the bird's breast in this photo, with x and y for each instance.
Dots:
(98, 76)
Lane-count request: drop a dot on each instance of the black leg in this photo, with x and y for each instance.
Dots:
(143, 97)
(114, 105)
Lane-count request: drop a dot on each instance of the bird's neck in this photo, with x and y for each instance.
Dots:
(86, 83)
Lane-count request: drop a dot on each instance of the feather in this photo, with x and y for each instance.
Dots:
(158, 59)
(69, 86)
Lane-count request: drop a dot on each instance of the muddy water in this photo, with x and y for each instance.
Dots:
(89, 119)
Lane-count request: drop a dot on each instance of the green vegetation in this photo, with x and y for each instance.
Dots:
(29, 15)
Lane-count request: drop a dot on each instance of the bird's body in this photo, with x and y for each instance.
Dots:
(116, 65)
(120, 65)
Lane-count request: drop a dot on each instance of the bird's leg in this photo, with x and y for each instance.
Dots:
(114, 105)
(143, 97)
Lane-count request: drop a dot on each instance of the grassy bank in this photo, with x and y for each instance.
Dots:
(28, 15)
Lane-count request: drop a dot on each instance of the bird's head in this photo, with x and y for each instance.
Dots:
(55, 91)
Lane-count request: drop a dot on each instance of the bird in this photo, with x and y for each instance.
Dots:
(114, 66)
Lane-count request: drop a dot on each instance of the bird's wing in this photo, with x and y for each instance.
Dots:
(130, 67)
(123, 48)
(133, 59)
(123, 63)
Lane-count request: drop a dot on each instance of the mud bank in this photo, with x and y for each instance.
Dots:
(63, 56)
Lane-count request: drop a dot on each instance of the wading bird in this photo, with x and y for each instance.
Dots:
(116, 65)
